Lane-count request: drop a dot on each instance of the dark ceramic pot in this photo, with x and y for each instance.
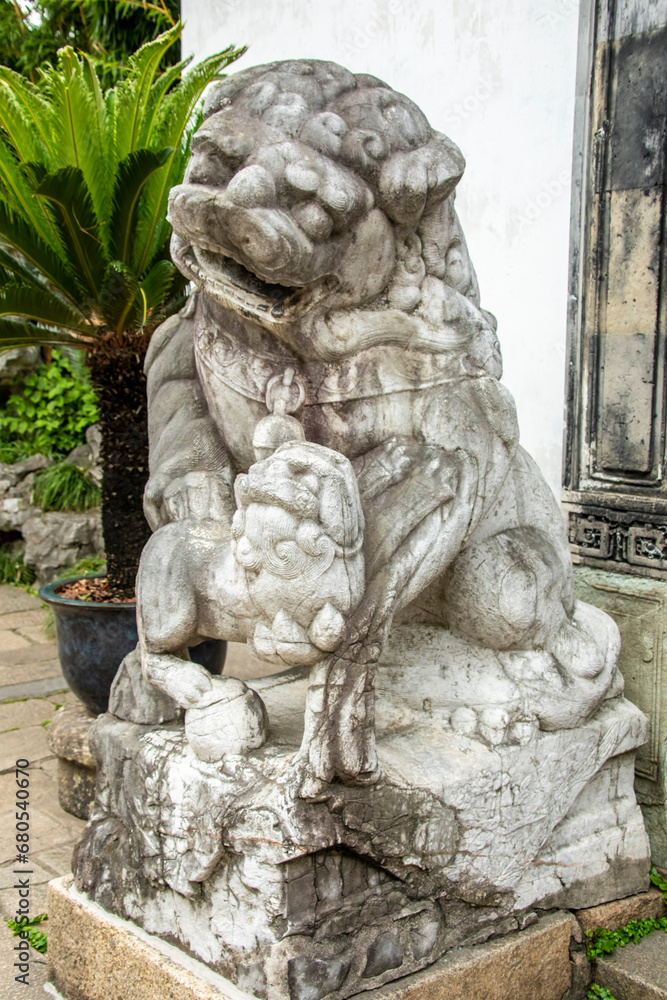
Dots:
(94, 638)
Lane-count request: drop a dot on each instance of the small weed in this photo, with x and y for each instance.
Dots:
(65, 487)
(36, 937)
(45, 722)
(598, 993)
(603, 942)
(49, 625)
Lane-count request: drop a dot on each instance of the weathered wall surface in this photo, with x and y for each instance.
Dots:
(498, 76)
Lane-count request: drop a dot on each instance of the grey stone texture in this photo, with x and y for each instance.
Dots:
(54, 541)
(336, 481)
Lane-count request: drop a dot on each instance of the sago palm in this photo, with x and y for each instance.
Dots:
(84, 241)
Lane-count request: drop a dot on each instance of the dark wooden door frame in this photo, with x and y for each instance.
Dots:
(615, 487)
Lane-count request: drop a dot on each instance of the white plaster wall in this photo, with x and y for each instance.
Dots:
(498, 76)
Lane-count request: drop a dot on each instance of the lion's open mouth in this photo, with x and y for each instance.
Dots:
(236, 287)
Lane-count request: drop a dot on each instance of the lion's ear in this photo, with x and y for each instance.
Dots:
(409, 181)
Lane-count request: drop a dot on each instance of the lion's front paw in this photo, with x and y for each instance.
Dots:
(290, 642)
(230, 719)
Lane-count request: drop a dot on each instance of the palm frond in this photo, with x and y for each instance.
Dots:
(156, 285)
(133, 174)
(29, 302)
(13, 268)
(32, 252)
(132, 93)
(14, 334)
(160, 87)
(19, 129)
(119, 298)
(79, 228)
(36, 111)
(18, 194)
(80, 124)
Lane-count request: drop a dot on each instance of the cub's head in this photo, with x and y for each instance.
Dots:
(312, 191)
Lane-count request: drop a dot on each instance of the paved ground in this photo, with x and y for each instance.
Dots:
(31, 689)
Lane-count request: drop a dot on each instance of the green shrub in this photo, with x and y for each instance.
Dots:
(50, 414)
(65, 487)
(12, 569)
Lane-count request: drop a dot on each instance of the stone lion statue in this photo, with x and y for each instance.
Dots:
(331, 448)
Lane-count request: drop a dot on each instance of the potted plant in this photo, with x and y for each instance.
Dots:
(84, 258)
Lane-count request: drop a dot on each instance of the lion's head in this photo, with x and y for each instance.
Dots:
(319, 204)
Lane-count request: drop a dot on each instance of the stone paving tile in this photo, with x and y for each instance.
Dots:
(11, 641)
(51, 829)
(49, 687)
(29, 743)
(9, 872)
(23, 673)
(15, 599)
(33, 633)
(28, 654)
(240, 663)
(20, 714)
(63, 698)
(32, 618)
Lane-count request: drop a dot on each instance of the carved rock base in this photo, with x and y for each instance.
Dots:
(543, 962)
(469, 828)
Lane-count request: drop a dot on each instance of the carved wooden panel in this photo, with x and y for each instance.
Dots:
(615, 480)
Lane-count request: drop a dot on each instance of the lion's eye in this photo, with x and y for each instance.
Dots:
(208, 167)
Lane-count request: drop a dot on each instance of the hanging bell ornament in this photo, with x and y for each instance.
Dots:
(284, 395)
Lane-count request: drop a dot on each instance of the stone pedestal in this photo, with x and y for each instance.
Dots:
(67, 736)
(94, 956)
(464, 835)
(639, 608)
